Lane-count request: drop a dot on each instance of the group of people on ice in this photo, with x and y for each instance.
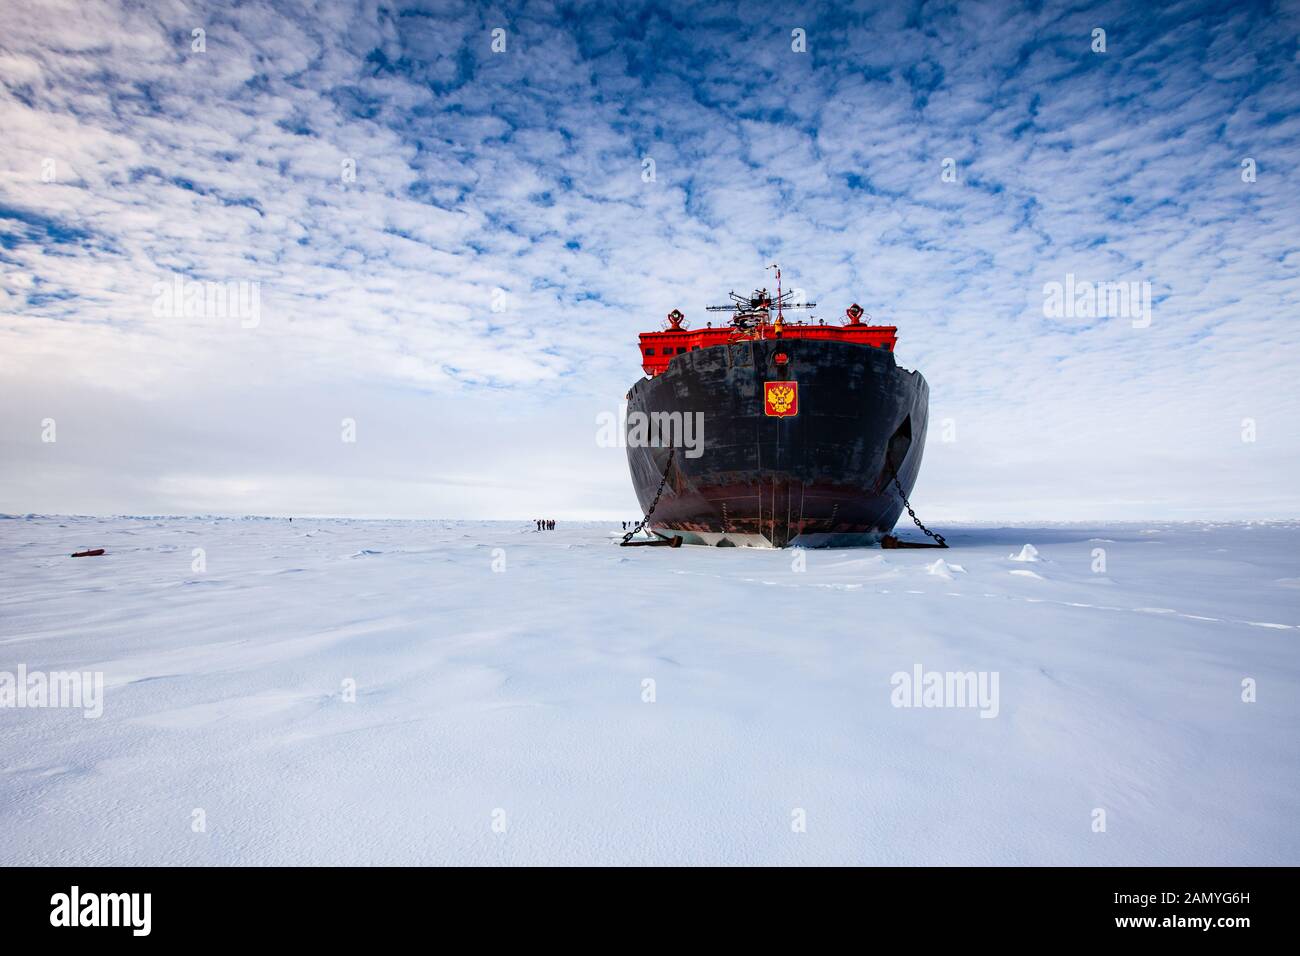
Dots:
(545, 524)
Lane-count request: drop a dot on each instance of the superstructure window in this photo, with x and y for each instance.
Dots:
(649, 351)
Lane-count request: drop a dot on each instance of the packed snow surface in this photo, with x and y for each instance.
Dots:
(548, 697)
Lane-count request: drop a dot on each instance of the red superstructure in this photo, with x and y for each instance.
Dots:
(660, 348)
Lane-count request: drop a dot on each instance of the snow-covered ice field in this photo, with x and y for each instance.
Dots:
(517, 696)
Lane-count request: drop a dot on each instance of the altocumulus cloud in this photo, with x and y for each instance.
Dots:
(456, 245)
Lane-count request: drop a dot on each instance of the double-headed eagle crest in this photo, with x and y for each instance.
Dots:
(781, 399)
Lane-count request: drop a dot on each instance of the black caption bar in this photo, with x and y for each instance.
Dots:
(331, 906)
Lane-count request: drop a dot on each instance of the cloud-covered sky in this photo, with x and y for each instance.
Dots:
(471, 298)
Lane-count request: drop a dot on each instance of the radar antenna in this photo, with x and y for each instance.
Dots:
(752, 311)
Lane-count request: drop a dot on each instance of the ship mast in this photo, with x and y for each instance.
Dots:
(750, 313)
(780, 314)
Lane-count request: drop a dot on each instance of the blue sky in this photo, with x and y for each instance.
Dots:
(471, 300)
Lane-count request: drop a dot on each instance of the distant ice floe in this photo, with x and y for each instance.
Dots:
(1027, 553)
(1028, 574)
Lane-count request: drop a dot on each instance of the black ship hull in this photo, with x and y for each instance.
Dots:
(821, 476)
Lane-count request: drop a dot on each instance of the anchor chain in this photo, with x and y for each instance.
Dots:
(939, 539)
(662, 482)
